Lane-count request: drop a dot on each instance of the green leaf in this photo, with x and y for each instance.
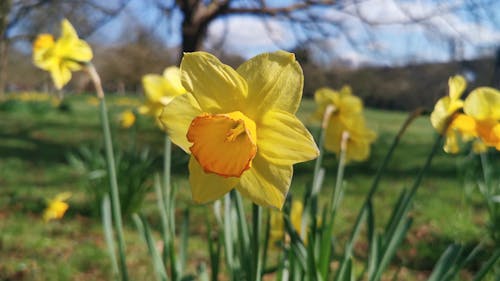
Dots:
(108, 234)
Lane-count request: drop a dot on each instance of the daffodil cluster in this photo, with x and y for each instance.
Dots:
(62, 56)
(477, 118)
(345, 115)
(240, 126)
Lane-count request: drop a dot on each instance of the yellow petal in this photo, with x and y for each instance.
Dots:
(223, 144)
(127, 119)
(275, 81)
(153, 85)
(451, 143)
(440, 114)
(489, 132)
(68, 32)
(60, 75)
(79, 51)
(296, 217)
(162, 89)
(456, 85)
(217, 87)
(359, 141)
(172, 75)
(63, 196)
(277, 224)
(346, 90)
(324, 97)
(266, 184)
(69, 46)
(283, 140)
(465, 125)
(483, 103)
(206, 187)
(479, 147)
(176, 118)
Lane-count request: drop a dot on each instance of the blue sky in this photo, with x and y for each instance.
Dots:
(389, 42)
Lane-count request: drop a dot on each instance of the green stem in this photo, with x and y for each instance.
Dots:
(167, 160)
(110, 159)
(336, 195)
(115, 196)
(257, 218)
(378, 175)
(167, 187)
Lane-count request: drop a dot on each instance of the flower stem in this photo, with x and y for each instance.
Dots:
(339, 186)
(257, 218)
(108, 145)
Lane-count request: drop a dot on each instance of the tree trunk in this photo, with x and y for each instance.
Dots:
(5, 6)
(195, 23)
(4, 46)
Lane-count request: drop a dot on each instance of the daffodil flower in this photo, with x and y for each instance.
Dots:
(462, 126)
(63, 56)
(127, 119)
(277, 230)
(483, 105)
(56, 207)
(447, 120)
(347, 116)
(447, 106)
(240, 126)
(160, 90)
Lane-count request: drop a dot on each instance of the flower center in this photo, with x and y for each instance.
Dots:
(223, 144)
(43, 42)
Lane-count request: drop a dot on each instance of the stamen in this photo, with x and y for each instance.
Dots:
(238, 129)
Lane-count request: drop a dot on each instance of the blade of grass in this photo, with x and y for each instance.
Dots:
(145, 231)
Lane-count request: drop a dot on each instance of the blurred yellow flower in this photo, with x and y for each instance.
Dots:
(483, 104)
(462, 126)
(480, 120)
(93, 101)
(240, 126)
(446, 113)
(127, 119)
(160, 90)
(277, 223)
(347, 116)
(56, 207)
(446, 106)
(61, 57)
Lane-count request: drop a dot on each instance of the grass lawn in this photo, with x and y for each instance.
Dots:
(34, 148)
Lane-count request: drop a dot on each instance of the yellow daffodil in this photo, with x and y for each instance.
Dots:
(161, 90)
(277, 230)
(56, 207)
(127, 119)
(462, 126)
(93, 101)
(344, 103)
(346, 117)
(240, 126)
(63, 56)
(446, 119)
(483, 104)
(446, 106)
(359, 138)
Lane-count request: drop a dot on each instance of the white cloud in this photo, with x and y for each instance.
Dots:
(393, 35)
(250, 35)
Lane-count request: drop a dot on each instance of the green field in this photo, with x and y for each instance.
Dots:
(34, 149)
